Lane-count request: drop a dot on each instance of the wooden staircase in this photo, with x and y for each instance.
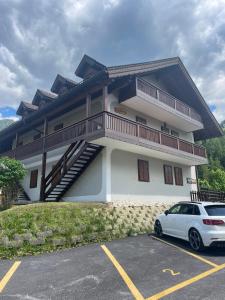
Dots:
(68, 169)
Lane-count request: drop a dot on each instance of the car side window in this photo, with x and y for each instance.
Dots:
(196, 211)
(186, 209)
(175, 209)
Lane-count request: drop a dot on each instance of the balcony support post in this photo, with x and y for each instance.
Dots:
(105, 98)
(43, 165)
(88, 111)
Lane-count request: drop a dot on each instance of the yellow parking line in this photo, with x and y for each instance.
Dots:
(8, 275)
(186, 283)
(135, 292)
(187, 252)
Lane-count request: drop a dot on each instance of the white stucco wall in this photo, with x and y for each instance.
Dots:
(128, 190)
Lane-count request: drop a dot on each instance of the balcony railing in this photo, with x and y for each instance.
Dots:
(98, 126)
(167, 99)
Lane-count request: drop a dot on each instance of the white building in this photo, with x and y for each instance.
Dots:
(125, 134)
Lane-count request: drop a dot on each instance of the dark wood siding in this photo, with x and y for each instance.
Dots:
(33, 179)
(143, 170)
(168, 174)
(178, 174)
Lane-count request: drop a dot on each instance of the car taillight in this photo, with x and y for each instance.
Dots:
(212, 222)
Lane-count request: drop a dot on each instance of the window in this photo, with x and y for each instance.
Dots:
(196, 211)
(37, 136)
(175, 209)
(174, 133)
(215, 210)
(168, 174)
(178, 176)
(186, 209)
(141, 120)
(143, 170)
(58, 127)
(33, 179)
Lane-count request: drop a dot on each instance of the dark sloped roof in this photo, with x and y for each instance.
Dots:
(131, 69)
(42, 94)
(26, 106)
(61, 81)
(88, 62)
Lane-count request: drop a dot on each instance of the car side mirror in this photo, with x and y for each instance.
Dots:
(166, 212)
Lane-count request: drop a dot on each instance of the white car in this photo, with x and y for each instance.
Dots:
(200, 223)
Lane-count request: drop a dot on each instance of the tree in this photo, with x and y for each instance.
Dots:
(215, 180)
(11, 172)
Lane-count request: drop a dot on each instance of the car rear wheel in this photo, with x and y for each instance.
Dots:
(195, 240)
(158, 228)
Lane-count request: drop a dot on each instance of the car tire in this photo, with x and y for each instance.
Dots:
(158, 228)
(195, 240)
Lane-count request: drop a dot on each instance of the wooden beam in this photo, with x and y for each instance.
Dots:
(88, 105)
(105, 98)
(43, 164)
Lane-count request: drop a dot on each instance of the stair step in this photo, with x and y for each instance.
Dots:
(85, 157)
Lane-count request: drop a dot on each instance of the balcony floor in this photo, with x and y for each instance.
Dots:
(152, 150)
(158, 110)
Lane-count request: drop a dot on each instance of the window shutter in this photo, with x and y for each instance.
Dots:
(33, 179)
(178, 176)
(168, 174)
(143, 170)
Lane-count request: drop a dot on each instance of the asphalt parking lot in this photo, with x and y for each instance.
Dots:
(141, 267)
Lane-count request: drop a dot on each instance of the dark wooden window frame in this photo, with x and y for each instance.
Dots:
(143, 170)
(178, 174)
(33, 178)
(58, 126)
(168, 174)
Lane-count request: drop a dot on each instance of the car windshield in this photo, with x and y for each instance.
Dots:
(215, 210)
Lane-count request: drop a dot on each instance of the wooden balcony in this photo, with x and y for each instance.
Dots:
(153, 101)
(102, 125)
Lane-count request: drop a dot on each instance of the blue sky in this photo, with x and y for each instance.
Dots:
(40, 38)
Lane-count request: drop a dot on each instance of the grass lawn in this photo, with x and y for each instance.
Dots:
(37, 228)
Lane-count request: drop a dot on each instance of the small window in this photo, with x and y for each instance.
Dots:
(178, 176)
(143, 170)
(168, 174)
(33, 179)
(141, 120)
(175, 209)
(37, 136)
(174, 133)
(58, 127)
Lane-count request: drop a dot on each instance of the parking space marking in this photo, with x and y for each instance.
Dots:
(187, 252)
(186, 283)
(172, 272)
(135, 292)
(8, 275)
